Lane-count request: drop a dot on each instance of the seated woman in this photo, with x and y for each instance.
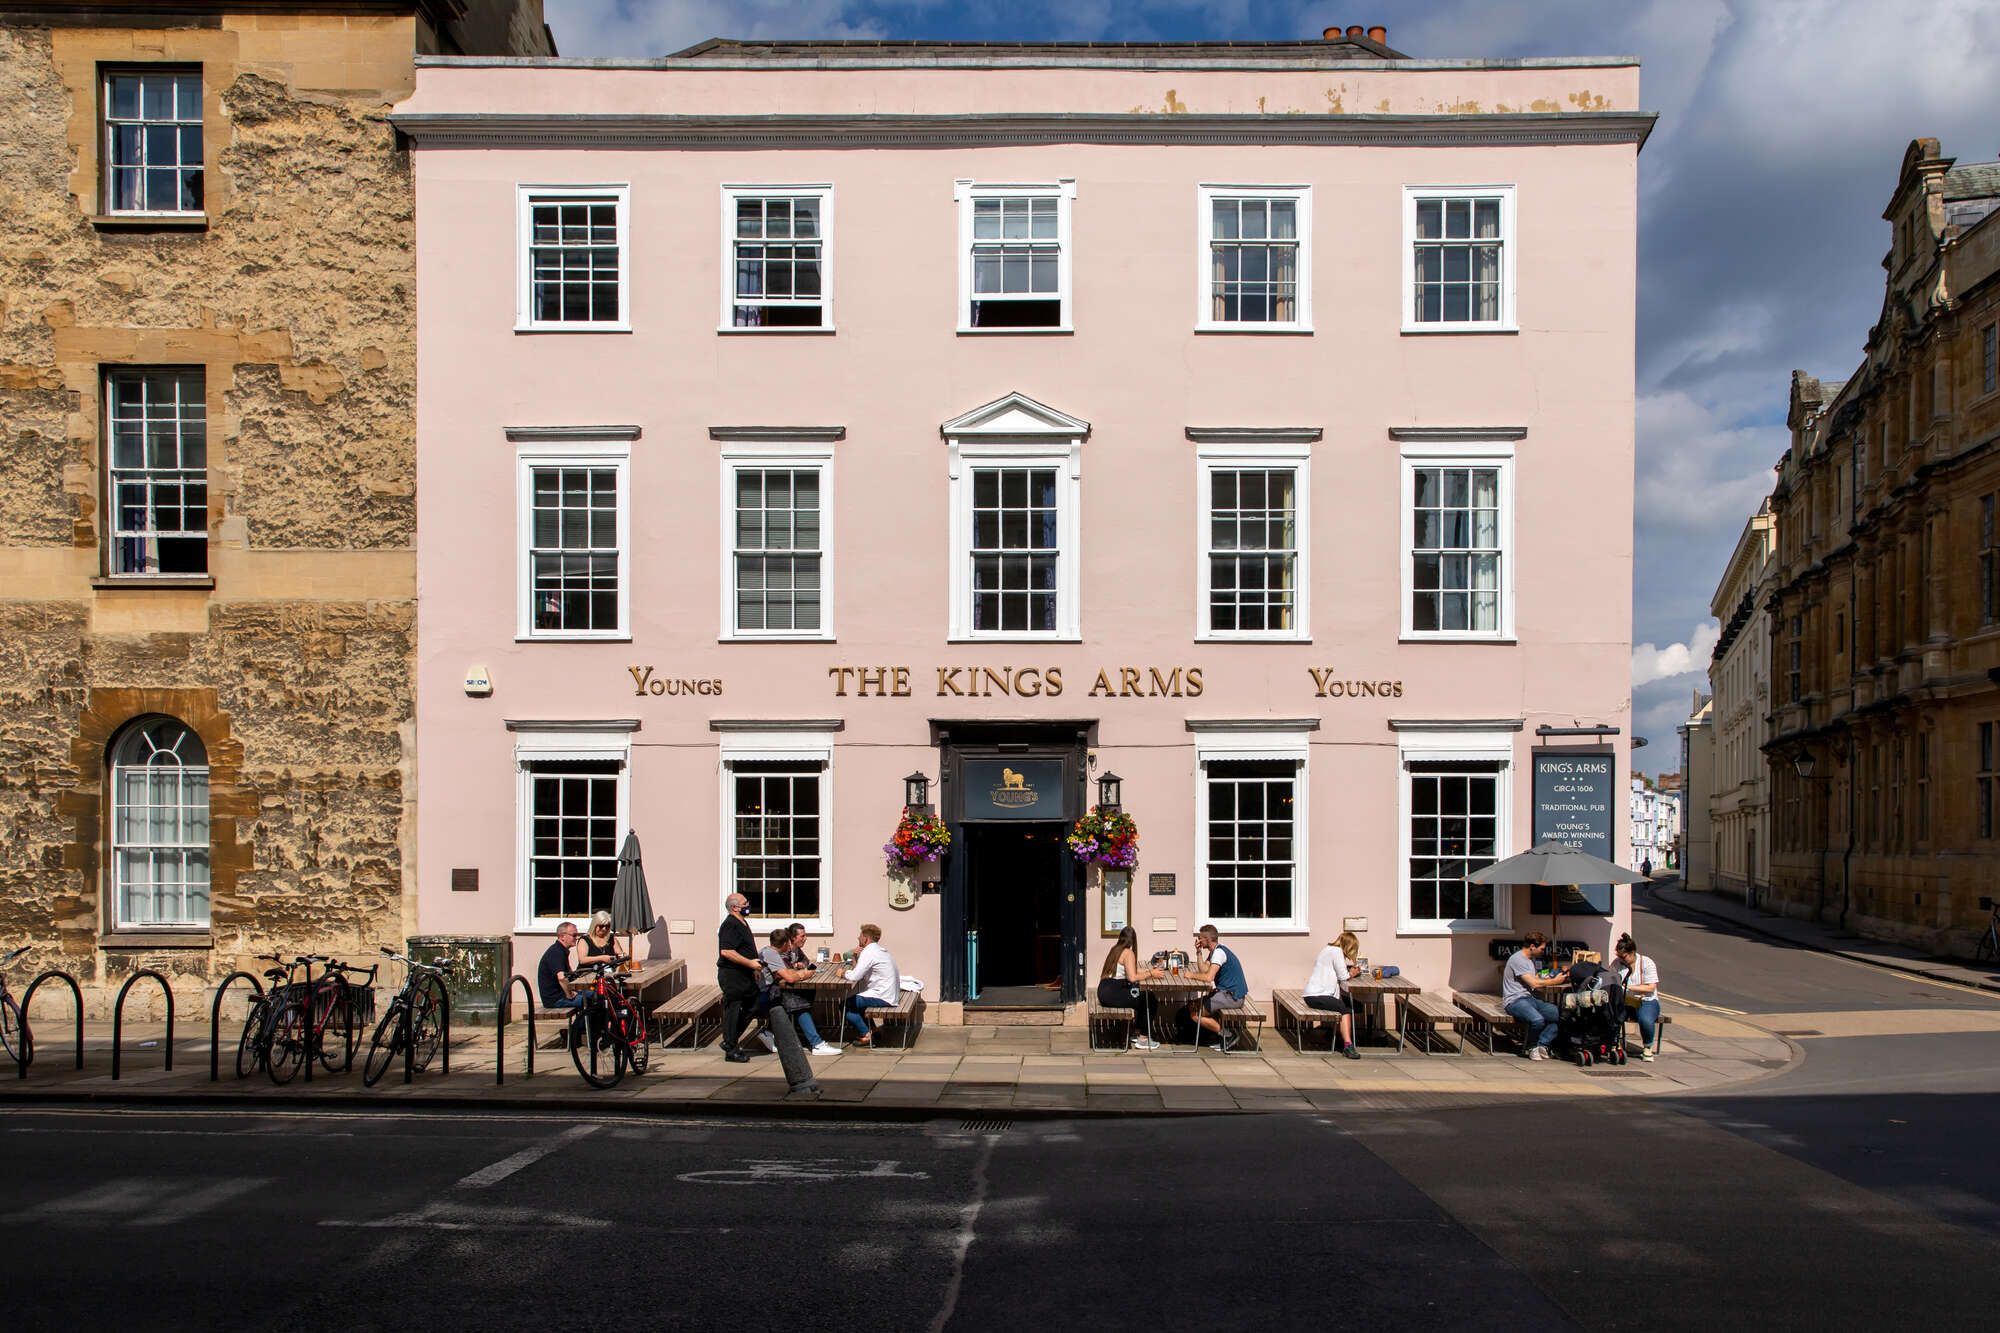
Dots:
(1326, 988)
(599, 945)
(1641, 976)
(1115, 988)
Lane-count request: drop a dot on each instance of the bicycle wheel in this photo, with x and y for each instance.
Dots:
(595, 1048)
(14, 1032)
(638, 1041)
(336, 1031)
(426, 1029)
(250, 1048)
(285, 1053)
(386, 1045)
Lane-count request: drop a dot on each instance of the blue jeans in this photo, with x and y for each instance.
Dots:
(566, 1002)
(1648, 1015)
(1538, 1020)
(856, 1005)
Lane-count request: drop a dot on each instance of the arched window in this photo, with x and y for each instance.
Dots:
(159, 825)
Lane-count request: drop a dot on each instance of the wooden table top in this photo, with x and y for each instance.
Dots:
(1185, 982)
(652, 972)
(825, 976)
(1382, 986)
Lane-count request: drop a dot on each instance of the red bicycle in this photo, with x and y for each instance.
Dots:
(308, 1013)
(608, 1034)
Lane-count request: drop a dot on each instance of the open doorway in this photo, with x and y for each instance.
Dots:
(1014, 879)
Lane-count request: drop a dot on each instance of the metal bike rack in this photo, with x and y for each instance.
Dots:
(28, 998)
(500, 1027)
(118, 1018)
(215, 1021)
(436, 983)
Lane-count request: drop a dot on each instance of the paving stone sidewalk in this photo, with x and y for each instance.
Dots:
(1015, 1070)
(1829, 939)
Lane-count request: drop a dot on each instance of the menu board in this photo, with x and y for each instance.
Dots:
(1574, 795)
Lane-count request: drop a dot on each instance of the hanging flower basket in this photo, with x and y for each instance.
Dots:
(1106, 839)
(919, 838)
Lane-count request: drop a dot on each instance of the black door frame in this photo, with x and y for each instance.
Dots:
(1068, 742)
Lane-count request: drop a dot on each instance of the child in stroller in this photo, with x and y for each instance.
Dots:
(1590, 1016)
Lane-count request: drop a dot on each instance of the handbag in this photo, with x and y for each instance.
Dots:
(1632, 1001)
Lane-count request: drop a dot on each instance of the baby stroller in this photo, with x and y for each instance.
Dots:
(1590, 1016)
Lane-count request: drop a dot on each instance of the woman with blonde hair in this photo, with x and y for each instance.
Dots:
(1116, 988)
(599, 945)
(1326, 988)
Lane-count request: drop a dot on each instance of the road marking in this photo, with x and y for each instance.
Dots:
(968, 1225)
(777, 1171)
(136, 1201)
(188, 1203)
(507, 1166)
(1712, 1008)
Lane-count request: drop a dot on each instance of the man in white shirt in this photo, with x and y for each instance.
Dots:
(1326, 989)
(874, 981)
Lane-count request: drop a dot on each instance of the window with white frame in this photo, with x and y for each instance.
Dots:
(778, 558)
(777, 257)
(159, 826)
(1256, 257)
(153, 140)
(156, 424)
(574, 826)
(1254, 557)
(575, 258)
(1457, 543)
(575, 548)
(1014, 256)
(1458, 258)
(1456, 803)
(777, 831)
(1016, 544)
(1015, 467)
(1250, 813)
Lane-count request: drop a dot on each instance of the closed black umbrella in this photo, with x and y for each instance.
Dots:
(631, 905)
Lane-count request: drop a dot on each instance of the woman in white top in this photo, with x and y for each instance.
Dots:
(1115, 989)
(1326, 988)
(1642, 982)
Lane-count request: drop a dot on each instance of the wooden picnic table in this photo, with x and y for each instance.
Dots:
(1172, 991)
(828, 991)
(654, 980)
(1375, 992)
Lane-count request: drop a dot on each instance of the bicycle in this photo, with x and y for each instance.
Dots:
(1989, 945)
(18, 1042)
(420, 999)
(301, 1020)
(608, 1026)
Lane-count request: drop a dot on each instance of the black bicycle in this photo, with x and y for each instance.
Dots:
(296, 1021)
(253, 1048)
(18, 1042)
(423, 1000)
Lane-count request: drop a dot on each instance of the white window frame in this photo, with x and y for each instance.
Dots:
(1281, 747)
(530, 455)
(1414, 744)
(798, 458)
(822, 191)
(1509, 246)
(107, 132)
(526, 197)
(965, 192)
(1213, 458)
(1457, 453)
(782, 742)
(187, 774)
(1204, 317)
(116, 535)
(553, 741)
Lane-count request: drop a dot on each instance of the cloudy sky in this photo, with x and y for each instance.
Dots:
(1782, 124)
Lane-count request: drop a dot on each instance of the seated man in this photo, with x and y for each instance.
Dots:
(1517, 996)
(1225, 971)
(552, 977)
(873, 980)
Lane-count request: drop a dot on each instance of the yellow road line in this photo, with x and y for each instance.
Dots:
(1712, 1008)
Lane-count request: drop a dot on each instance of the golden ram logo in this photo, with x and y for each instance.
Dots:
(1014, 791)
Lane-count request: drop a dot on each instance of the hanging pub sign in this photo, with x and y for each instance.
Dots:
(1574, 795)
(1013, 788)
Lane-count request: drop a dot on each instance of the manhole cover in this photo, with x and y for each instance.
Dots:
(988, 1125)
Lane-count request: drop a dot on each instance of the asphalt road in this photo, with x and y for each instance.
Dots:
(1856, 1189)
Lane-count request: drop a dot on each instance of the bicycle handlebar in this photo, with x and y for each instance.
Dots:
(439, 965)
(7, 960)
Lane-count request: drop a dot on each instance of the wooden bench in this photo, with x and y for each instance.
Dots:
(690, 1011)
(1104, 1018)
(1427, 1013)
(1240, 1018)
(906, 1011)
(1660, 1030)
(1488, 1019)
(1295, 1014)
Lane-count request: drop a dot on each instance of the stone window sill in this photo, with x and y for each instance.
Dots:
(149, 221)
(194, 582)
(141, 940)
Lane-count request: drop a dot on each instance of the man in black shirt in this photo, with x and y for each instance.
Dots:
(555, 963)
(736, 970)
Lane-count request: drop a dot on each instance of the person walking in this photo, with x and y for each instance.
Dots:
(1641, 976)
(737, 968)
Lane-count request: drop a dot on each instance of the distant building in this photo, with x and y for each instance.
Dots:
(1884, 745)
(1693, 836)
(1739, 673)
(1655, 815)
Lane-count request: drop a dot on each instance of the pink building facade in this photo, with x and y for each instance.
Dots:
(1252, 423)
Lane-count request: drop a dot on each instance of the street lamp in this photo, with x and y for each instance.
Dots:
(916, 791)
(1108, 793)
(1803, 764)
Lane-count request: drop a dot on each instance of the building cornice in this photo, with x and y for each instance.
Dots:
(1255, 434)
(593, 725)
(1457, 724)
(561, 434)
(779, 725)
(1456, 434)
(778, 434)
(448, 129)
(1199, 725)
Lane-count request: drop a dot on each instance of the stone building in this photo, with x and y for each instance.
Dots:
(1739, 675)
(1884, 746)
(1692, 833)
(207, 510)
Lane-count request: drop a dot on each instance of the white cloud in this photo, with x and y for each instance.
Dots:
(1651, 662)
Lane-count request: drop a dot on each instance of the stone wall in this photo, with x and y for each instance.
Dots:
(296, 296)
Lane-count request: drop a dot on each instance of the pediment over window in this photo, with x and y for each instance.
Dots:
(1015, 417)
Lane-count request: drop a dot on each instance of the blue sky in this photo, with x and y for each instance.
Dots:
(1782, 124)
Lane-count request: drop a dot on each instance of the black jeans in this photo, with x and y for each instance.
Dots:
(1115, 994)
(738, 1006)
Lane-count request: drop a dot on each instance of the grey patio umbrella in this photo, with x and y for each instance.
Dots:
(631, 905)
(1555, 863)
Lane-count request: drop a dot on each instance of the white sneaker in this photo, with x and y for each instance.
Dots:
(1144, 1044)
(1538, 1053)
(1645, 1052)
(770, 1042)
(826, 1048)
